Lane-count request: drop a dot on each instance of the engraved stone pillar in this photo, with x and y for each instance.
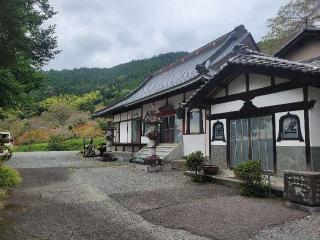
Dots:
(302, 188)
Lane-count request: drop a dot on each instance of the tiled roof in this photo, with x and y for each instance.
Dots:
(258, 59)
(313, 61)
(306, 32)
(183, 72)
(242, 56)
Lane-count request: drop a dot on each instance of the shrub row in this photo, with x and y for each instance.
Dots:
(61, 145)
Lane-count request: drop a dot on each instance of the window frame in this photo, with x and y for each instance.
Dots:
(280, 133)
(140, 130)
(213, 132)
(200, 121)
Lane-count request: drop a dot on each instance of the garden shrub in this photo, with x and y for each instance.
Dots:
(9, 177)
(195, 162)
(251, 173)
(55, 143)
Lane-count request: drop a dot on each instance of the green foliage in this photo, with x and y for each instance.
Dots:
(290, 19)
(251, 173)
(27, 43)
(68, 145)
(113, 83)
(9, 177)
(8, 154)
(55, 143)
(85, 102)
(195, 162)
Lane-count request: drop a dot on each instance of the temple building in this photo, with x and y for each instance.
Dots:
(233, 103)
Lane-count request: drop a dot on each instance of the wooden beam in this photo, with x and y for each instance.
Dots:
(255, 93)
(264, 111)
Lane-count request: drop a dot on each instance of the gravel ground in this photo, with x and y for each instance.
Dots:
(64, 196)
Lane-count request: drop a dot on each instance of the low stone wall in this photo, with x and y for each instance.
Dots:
(219, 156)
(291, 158)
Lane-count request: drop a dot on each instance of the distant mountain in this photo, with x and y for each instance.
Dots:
(113, 82)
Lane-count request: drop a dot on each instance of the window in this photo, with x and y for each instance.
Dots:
(195, 125)
(218, 132)
(116, 132)
(289, 128)
(136, 131)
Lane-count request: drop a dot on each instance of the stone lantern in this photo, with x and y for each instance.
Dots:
(152, 121)
(107, 155)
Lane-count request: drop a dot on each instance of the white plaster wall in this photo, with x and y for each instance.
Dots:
(124, 116)
(259, 81)
(116, 118)
(238, 85)
(221, 143)
(175, 100)
(314, 117)
(136, 113)
(226, 107)
(279, 80)
(129, 115)
(193, 143)
(129, 131)
(300, 114)
(123, 132)
(295, 95)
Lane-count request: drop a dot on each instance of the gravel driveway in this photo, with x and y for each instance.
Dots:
(64, 196)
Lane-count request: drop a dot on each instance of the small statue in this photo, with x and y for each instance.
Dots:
(89, 149)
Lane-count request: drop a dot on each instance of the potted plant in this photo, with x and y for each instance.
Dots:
(210, 169)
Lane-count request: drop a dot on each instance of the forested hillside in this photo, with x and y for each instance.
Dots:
(111, 82)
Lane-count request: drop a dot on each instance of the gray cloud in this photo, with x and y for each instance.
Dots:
(97, 33)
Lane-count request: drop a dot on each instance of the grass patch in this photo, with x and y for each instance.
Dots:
(67, 145)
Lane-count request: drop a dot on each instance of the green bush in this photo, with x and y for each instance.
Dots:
(9, 177)
(195, 162)
(251, 173)
(55, 143)
(75, 144)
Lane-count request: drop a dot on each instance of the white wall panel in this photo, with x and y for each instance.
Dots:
(226, 107)
(295, 95)
(196, 142)
(123, 132)
(257, 81)
(238, 85)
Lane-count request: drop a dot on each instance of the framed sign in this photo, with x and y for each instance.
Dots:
(289, 128)
(218, 132)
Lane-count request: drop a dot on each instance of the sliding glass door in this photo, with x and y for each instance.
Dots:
(252, 139)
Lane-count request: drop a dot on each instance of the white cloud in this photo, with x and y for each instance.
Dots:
(96, 33)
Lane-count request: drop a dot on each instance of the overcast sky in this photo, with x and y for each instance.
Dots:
(104, 33)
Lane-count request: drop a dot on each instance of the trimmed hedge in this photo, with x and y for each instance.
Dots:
(67, 145)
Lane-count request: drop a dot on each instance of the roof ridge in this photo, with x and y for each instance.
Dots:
(194, 53)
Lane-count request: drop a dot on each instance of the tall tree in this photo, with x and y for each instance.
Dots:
(290, 19)
(26, 44)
